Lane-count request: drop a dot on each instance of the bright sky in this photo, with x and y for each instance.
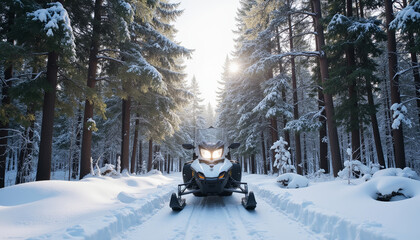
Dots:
(206, 26)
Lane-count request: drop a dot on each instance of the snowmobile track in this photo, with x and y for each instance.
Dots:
(217, 217)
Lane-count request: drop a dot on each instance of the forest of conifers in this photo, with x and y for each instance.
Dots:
(89, 83)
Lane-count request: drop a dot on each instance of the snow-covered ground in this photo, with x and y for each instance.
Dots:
(136, 207)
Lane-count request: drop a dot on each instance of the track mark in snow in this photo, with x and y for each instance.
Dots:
(220, 218)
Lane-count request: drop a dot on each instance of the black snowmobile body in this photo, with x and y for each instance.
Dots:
(211, 172)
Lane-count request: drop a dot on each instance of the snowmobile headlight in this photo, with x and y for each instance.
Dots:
(205, 153)
(217, 153)
(222, 175)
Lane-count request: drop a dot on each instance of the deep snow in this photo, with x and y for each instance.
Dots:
(128, 207)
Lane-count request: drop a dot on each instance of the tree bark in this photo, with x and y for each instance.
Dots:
(283, 95)
(150, 160)
(168, 169)
(414, 65)
(329, 104)
(86, 153)
(140, 158)
(298, 147)
(352, 90)
(323, 146)
(76, 161)
(253, 168)
(135, 143)
(125, 134)
(375, 128)
(263, 153)
(399, 153)
(45, 146)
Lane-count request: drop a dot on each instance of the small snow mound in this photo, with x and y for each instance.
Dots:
(393, 188)
(126, 197)
(154, 172)
(292, 180)
(406, 172)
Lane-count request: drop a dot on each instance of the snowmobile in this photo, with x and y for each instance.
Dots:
(211, 171)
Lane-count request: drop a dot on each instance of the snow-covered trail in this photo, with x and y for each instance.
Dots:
(217, 217)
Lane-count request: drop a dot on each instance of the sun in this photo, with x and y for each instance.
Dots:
(233, 67)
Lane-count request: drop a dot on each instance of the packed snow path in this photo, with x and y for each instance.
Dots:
(217, 217)
(136, 207)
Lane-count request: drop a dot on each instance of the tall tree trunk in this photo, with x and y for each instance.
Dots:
(76, 162)
(135, 143)
(245, 163)
(86, 153)
(329, 104)
(352, 90)
(125, 134)
(150, 159)
(323, 145)
(298, 147)
(414, 65)
(140, 158)
(168, 168)
(274, 138)
(263, 153)
(253, 168)
(283, 96)
(375, 128)
(5, 102)
(394, 84)
(45, 146)
(389, 145)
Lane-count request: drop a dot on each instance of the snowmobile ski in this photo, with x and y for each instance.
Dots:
(249, 201)
(176, 203)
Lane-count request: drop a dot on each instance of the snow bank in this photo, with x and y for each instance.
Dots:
(341, 211)
(94, 208)
(292, 180)
(406, 172)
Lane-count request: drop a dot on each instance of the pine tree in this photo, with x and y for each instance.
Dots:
(397, 134)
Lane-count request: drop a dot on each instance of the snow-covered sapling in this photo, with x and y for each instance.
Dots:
(351, 167)
(283, 161)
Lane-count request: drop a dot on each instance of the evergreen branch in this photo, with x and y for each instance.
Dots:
(110, 58)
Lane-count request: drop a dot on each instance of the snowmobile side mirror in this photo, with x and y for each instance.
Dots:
(188, 146)
(234, 145)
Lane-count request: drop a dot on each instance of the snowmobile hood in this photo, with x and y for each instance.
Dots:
(211, 170)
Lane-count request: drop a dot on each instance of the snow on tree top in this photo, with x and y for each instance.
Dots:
(408, 15)
(55, 17)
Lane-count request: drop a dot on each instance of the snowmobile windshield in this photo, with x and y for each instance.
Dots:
(210, 136)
